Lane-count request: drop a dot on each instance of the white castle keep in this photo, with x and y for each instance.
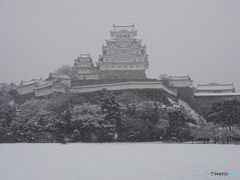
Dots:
(123, 57)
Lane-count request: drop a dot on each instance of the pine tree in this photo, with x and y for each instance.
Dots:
(64, 126)
(177, 125)
(151, 119)
(111, 109)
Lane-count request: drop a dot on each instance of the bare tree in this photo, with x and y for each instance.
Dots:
(165, 79)
(64, 69)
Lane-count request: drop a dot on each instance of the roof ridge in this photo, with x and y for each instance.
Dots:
(215, 84)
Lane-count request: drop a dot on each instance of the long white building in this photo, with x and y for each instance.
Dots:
(215, 88)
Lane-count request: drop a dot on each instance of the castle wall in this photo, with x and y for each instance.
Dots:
(180, 83)
(26, 89)
(123, 86)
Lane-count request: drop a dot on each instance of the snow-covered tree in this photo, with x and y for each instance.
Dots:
(129, 102)
(226, 114)
(7, 115)
(151, 119)
(88, 121)
(111, 109)
(178, 125)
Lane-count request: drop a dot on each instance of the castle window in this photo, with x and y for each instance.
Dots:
(117, 35)
(112, 66)
(131, 66)
(134, 60)
(125, 66)
(137, 66)
(106, 66)
(119, 66)
(140, 59)
(128, 35)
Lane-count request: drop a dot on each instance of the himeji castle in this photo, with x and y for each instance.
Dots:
(121, 66)
(123, 57)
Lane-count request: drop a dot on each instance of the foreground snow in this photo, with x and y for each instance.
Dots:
(117, 161)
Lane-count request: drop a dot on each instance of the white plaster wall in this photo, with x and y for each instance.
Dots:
(66, 82)
(180, 83)
(49, 90)
(122, 86)
(43, 92)
(25, 89)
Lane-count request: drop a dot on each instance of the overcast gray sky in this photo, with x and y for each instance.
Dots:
(200, 38)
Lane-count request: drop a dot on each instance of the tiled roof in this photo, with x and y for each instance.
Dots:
(215, 86)
(128, 28)
(33, 81)
(179, 78)
(59, 76)
(85, 55)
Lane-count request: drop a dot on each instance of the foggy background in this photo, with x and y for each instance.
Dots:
(183, 37)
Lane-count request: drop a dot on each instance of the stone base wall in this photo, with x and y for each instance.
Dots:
(206, 102)
(186, 94)
(159, 95)
(49, 96)
(122, 74)
(23, 97)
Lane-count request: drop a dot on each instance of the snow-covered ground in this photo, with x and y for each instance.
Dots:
(123, 161)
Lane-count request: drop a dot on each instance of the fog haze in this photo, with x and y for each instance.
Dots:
(187, 37)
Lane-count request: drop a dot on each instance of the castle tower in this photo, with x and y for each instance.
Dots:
(83, 68)
(123, 57)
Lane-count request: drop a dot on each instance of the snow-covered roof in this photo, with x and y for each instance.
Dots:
(85, 55)
(42, 84)
(128, 45)
(47, 84)
(179, 78)
(123, 29)
(122, 40)
(215, 86)
(128, 28)
(31, 82)
(58, 76)
(83, 58)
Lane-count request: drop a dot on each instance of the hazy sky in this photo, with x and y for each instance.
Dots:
(200, 38)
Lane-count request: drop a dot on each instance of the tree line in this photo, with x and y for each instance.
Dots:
(126, 117)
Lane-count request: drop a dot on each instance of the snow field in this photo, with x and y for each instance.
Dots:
(121, 161)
